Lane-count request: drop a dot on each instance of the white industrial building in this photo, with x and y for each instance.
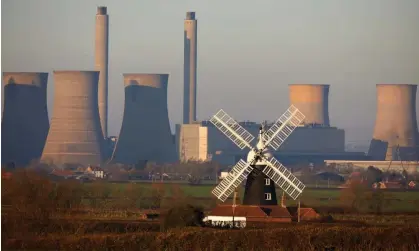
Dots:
(192, 142)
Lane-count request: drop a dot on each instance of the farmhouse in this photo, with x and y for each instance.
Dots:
(223, 214)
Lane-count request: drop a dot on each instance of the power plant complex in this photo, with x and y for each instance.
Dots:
(315, 141)
(78, 130)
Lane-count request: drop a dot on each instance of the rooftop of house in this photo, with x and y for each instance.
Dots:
(304, 211)
(251, 211)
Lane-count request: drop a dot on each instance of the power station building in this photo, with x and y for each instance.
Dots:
(189, 68)
(25, 124)
(101, 64)
(203, 141)
(145, 132)
(313, 142)
(192, 142)
(75, 135)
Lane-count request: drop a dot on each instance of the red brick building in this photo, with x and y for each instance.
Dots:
(266, 213)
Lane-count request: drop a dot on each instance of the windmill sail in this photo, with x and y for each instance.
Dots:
(236, 176)
(274, 137)
(227, 125)
(283, 127)
(283, 178)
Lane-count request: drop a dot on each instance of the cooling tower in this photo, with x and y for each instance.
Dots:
(75, 135)
(101, 64)
(25, 124)
(189, 68)
(312, 101)
(396, 131)
(145, 133)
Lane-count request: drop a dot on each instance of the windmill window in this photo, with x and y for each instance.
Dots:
(268, 196)
(267, 182)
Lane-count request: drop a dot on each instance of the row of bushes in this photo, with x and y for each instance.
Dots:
(290, 238)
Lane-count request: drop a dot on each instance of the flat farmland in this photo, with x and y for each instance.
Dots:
(389, 200)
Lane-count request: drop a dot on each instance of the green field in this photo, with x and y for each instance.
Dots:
(390, 201)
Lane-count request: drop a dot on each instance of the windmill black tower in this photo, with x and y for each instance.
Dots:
(262, 170)
(259, 188)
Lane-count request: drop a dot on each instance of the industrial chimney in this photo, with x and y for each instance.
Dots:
(25, 124)
(396, 131)
(75, 135)
(189, 68)
(145, 133)
(101, 64)
(312, 101)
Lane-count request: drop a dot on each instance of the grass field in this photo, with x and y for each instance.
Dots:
(392, 200)
(118, 189)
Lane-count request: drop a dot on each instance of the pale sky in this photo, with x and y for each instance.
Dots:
(248, 51)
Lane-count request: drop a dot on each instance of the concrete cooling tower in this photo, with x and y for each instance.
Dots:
(312, 101)
(396, 131)
(145, 133)
(101, 64)
(75, 135)
(25, 124)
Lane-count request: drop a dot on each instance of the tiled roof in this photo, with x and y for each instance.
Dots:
(277, 211)
(251, 211)
(240, 210)
(304, 211)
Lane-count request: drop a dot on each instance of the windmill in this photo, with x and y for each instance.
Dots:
(262, 170)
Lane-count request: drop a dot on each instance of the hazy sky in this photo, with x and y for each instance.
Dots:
(248, 51)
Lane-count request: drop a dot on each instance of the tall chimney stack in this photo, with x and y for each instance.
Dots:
(101, 64)
(189, 68)
(396, 129)
(312, 101)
